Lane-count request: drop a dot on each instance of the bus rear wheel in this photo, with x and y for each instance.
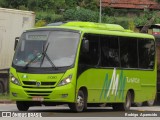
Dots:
(79, 106)
(22, 106)
(123, 106)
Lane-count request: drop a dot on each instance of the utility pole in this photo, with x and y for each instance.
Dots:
(100, 11)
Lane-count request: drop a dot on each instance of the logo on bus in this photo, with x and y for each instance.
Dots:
(116, 85)
(38, 84)
(24, 76)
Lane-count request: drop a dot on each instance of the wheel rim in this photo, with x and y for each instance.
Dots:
(80, 102)
(128, 101)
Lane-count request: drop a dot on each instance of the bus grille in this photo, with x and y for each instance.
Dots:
(34, 83)
(43, 89)
(38, 93)
(37, 87)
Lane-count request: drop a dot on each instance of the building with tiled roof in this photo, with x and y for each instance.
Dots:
(131, 4)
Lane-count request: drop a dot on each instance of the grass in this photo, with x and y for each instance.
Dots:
(4, 97)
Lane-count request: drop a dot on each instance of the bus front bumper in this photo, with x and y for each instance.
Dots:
(64, 93)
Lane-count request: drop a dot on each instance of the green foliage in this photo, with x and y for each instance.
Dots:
(22, 7)
(108, 19)
(48, 17)
(88, 4)
(4, 3)
(122, 21)
(71, 3)
(13, 3)
(131, 25)
(4, 96)
(42, 5)
(116, 20)
(143, 19)
(81, 14)
(108, 11)
(157, 20)
(40, 23)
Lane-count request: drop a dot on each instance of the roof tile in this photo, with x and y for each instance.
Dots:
(134, 4)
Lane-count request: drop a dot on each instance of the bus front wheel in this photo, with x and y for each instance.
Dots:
(22, 106)
(123, 106)
(79, 106)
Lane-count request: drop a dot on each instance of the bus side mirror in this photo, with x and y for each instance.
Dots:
(16, 42)
(85, 45)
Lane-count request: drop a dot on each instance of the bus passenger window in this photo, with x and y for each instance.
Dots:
(128, 52)
(146, 53)
(91, 56)
(109, 51)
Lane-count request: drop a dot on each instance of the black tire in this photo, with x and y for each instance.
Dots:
(1, 88)
(22, 106)
(80, 104)
(123, 106)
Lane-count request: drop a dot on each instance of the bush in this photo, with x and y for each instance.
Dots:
(40, 23)
(131, 25)
(48, 17)
(123, 23)
(140, 21)
(81, 14)
(108, 19)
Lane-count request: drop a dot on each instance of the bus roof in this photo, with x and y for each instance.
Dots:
(98, 28)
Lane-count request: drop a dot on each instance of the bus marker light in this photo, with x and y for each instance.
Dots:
(64, 95)
(14, 94)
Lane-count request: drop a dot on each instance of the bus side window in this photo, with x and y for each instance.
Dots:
(91, 56)
(110, 51)
(128, 52)
(146, 53)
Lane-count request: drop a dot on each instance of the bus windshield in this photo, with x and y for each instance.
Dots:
(46, 49)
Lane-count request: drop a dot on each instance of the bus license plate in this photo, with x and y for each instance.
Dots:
(37, 98)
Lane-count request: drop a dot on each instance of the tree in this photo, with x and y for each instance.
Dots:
(41, 5)
(13, 3)
(71, 3)
(81, 14)
(89, 4)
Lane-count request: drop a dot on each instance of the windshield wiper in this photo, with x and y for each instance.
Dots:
(32, 60)
(44, 53)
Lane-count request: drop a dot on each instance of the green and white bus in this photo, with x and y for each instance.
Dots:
(83, 64)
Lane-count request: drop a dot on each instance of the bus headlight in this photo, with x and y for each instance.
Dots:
(15, 80)
(65, 81)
